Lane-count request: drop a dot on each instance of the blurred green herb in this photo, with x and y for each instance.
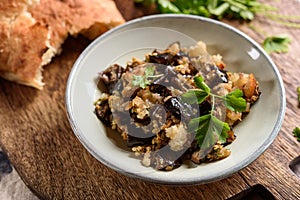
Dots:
(277, 44)
(285, 20)
(143, 80)
(298, 94)
(296, 133)
(239, 9)
(296, 130)
(209, 129)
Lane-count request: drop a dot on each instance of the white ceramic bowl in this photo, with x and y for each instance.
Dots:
(240, 53)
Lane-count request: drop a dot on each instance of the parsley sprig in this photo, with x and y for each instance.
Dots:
(296, 130)
(245, 10)
(296, 133)
(277, 44)
(143, 80)
(240, 9)
(208, 128)
(298, 95)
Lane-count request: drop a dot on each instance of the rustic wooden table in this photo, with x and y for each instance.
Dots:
(36, 135)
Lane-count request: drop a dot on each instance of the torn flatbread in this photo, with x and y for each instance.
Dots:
(32, 32)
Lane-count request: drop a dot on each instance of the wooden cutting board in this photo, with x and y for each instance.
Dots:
(35, 132)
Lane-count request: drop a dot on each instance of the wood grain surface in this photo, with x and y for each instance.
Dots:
(35, 132)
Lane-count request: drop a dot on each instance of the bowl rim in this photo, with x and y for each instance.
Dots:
(216, 177)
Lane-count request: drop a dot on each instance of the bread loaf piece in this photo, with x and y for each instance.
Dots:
(33, 31)
(10, 9)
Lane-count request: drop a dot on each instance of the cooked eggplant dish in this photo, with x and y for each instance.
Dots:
(175, 105)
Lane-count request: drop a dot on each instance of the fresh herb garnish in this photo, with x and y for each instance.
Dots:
(296, 133)
(298, 94)
(209, 129)
(197, 95)
(240, 9)
(234, 101)
(277, 44)
(143, 80)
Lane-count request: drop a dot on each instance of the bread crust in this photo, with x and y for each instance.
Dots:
(10, 9)
(33, 31)
(22, 48)
(88, 17)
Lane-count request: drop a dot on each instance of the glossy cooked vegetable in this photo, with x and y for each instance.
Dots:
(175, 105)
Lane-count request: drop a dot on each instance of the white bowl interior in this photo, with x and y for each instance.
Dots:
(240, 53)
